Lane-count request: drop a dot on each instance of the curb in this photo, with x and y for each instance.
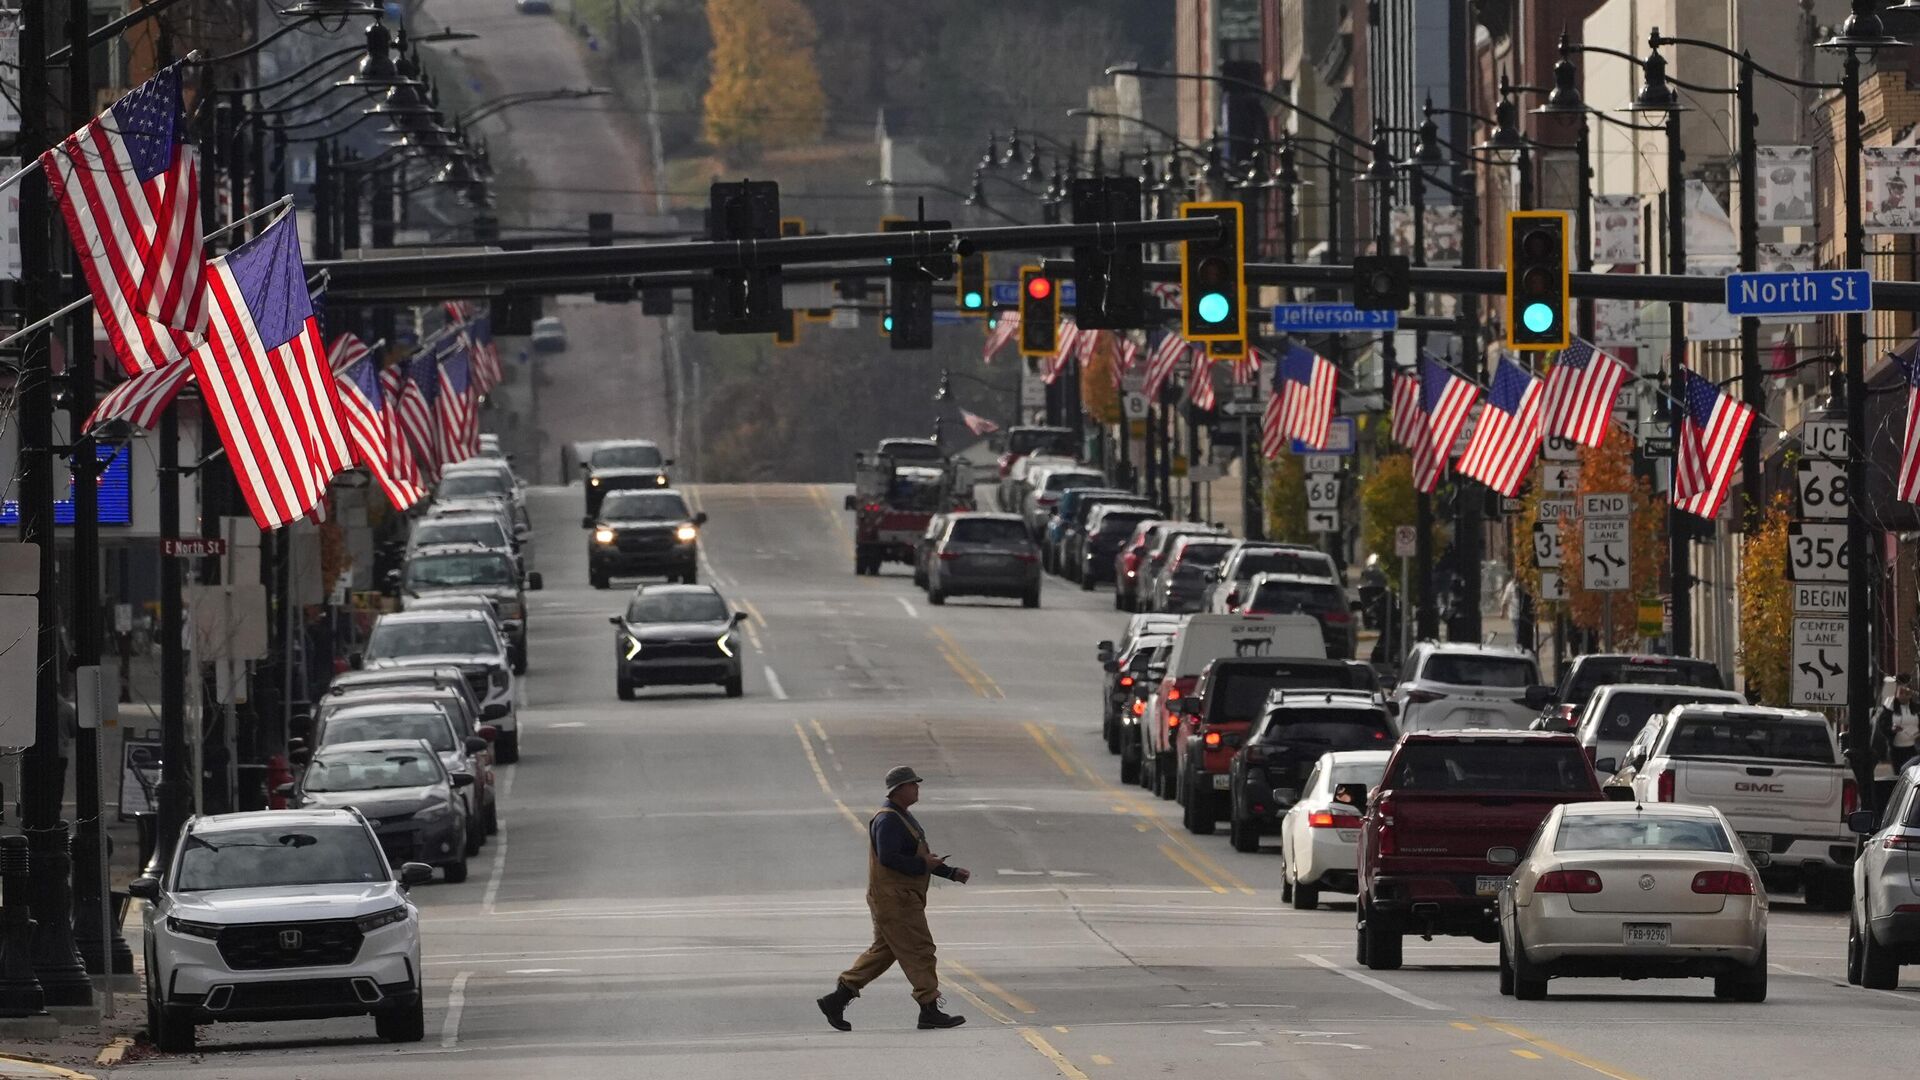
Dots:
(111, 1053)
(33, 1070)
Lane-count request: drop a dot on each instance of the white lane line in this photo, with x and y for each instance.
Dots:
(456, 1001)
(908, 604)
(773, 685)
(499, 858)
(1384, 987)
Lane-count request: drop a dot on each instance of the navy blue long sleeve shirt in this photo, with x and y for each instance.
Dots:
(894, 843)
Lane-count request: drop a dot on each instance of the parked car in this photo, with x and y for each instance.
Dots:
(1883, 921)
(1123, 672)
(643, 533)
(1588, 673)
(676, 635)
(1182, 585)
(452, 699)
(1108, 526)
(622, 465)
(281, 915)
(1038, 481)
(426, 722)
(1067, 510)
(1279, 594)
(463, 639)
(1160, 546)
(549, 334)
(1468, 686)
(400, 787)
(1227, 588)
(1130, 560)
(516, 515)
(983, 554)
(1633, 892)
(472, 570)
(1319, 831)
(1616, 713)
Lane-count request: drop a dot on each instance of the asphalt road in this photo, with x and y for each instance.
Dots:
(677, 878)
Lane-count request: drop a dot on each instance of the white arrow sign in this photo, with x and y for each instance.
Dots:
(1819, 661)
(1605, 554)
(1556, 477)
(1323, 521)
(1552, 586)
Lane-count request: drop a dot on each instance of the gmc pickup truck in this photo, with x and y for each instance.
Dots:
(1448, 821)
(1776, 774)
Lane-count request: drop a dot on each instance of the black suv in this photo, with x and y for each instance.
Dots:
(622, 464)
(1299, 726)
(643, 533)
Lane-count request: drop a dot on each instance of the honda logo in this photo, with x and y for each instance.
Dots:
(291, 939)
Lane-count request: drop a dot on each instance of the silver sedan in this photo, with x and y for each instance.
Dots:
(1616, 890)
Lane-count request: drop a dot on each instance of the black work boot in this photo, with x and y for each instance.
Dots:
(834, 1005)
(932, 1017)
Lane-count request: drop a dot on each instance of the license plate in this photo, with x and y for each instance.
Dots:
(1646, 933)
(1488, 884)
(1221, 781)
(1757, 841)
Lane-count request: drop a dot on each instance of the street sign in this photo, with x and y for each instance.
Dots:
(1605, 554)
(1823, 490)
(1321, 463)
(1323, 521)
(1547, 551)
(1817, 599)
(1242, 408)
(1560, 478)
(1552, 586)
(1560, 448)
(1510, 506)
(1816, 551)
(1656, 446)
(1007, 293)
(1800, 292)
(193, 547)
(1323, 492)
(1612, 504)
(1135, 405)
(1406, 542)
(1033, 392)
(1819, 661)
(1824, 440)
(1333, 319)
(1556, 509)
(844, 318)
(1339, 439)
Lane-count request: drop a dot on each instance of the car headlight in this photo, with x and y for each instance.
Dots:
(512, 609)
(727, 642)
(193, 929)
(594, 480)
(370, 923)
(603, 536)
(661, 480)
(434, 811)
(686, 534)
(633, 646)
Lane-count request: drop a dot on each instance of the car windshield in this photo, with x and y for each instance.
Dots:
(395, 640)
(998, 531)
(1622, 715)
(484, 533)
(1457, 669)
(1595, 672)
(1040, 440)
(370, 770)
(677, 607)
(1122, 523)
(1328, 729)
(644, 506)
(1557, 768)
(1738, 736)
(275, 856)
(1196, 557)
(469, 568)
(1645, 832)
(364, 727)
(471, 484)
(1243, 694)
(1305, 563)
(626, 457)
(1063, 481)
(1280, 597)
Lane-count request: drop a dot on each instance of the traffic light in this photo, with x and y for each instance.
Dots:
(1109, 278)
(970, 288)
(1537, 279)
(599, 229)
(789, 331)
(1213, 277)
(1380, 282)
(746, 300)
(656, 300)
(909, 320)
(1039, 313)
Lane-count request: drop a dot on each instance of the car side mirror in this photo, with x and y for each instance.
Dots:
(489, 732)
(460, 779)
(1503, 856)
(1354, 795)
(356, 661)
(853, 502)
(1233, 597)
(1537, 697)
(615, 620)
(666, 461)
(301, 757)
(144, 888)
(476, 745)
(1864, 822)
(535, 582)
(740, 617)
(415, 873)
(1618, 793)
(1103, 652)
(700, 517)
(1607, 765)
(586, 521)
(495, 711)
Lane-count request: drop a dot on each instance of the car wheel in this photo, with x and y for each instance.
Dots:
(1380, 942)
(1305, 897)
(402, 1025)
(1286, 879)
(1110, 731)
(520, 660)
(919, 579)
(476, 837)
(1198, 815)
(456, 871)
(623, 686)
(1086, 580)
(175, 1034)
(1360, 932)
(936, 597)
(1749, 985)
(506, 748)
(1032, 598)
(1878, 969)
(1506, 969)
(1129, 765)
(734, 688)
(1529, 984)
(1117, 604)
(1853, 950)
(1243, 834)
(1163, 775)
(598, 581)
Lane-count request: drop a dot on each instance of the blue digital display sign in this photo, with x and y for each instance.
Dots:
(115, 492)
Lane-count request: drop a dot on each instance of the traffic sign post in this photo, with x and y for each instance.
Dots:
(1560, 478)
(1559, 448)
(1333, 319)
(1800, 292)
(1405, 541)
(1820, 661)
(1323, 521)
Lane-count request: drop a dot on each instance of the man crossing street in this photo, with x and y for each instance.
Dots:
(899, 865)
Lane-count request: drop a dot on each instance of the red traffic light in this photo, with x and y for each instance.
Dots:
(1039, 288)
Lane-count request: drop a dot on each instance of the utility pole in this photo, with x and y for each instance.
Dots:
(1678, 527)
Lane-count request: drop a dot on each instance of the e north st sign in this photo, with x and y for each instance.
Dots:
(1800, 292)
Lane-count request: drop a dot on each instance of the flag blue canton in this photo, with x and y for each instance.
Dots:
(1297, 365)
(423, 369)
(147, 120)
(458, 371)
(366, 380)
(272, 282)
(1510, 385)
(1576, 355)
(1434, 380)
(1702, 396)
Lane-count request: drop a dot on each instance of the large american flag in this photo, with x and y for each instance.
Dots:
(263, 371)
(1445, 400)
(346, 350)
(363, 406)
(1907, 484)
(1510, 430)
(1407, 417)
(129, 187)
(1065, 342)
(142, 398)
(459, 406)
(1200, 380)
(1581, 387)
(1713, 428)
(419, 410)
(1002, 332)
(1163, 361)
(1306, 385)
(1273, 435)
(400, 450)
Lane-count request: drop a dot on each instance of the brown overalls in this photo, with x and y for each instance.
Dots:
(899, 905)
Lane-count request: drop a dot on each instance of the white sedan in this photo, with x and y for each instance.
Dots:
(1617, 890)
(1319, 832)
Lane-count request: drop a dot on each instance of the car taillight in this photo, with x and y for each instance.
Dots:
(1901, 843)
(1384, 839)
(1338, 618)
(1849, 798)
(1421, 697)
(949, 556)
(1139, 707)
(873, 508)
(1173, 694)
(1325, 819)
(1131, 560)
(1723, 882)
(1663, 787)
(1173, 720)
(1027, 556)
(1126, 681)
(1570, 881)
(1212, 739)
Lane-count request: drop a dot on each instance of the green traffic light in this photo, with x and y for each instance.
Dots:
(972, 300)
(886, 323)
(1538, 317)
(1214, 307)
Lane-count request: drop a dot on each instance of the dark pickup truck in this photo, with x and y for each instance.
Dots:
(1447, 823)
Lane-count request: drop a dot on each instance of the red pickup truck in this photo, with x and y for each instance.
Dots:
(1450, 817)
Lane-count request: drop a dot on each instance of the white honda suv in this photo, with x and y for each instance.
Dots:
(281, 915)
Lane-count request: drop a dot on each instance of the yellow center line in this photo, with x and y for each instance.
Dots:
(1067, 1068)
(973, 673)
(1556, 1049)
(1040, 737)
(820, 774)
(1013, 1000)
(967, 993)
(1464, 1027)
(754, 611)
(820, 731)
(1183, 863)
(1100, 1059)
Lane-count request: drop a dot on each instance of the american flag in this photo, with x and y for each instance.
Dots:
(1445, 400)
(1273, 435)
(1907, 484)
(1581, 387)
(346, 350)
(486, 354)
(1509, 432)
(459, 406)
(1065, 343)
(1200, 380)
(978, 424)
(1002, 332)
(419, 410)
(129, 189)
(1407, 417)
(363, 405)
(263, 371)
(1712, 430)
(142, 398)
(1126, 353)
(1246, 367)
(400, 451)
(1306, 386)
(1163, 361)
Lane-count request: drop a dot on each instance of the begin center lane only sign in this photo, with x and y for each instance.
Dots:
(1819, 661)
